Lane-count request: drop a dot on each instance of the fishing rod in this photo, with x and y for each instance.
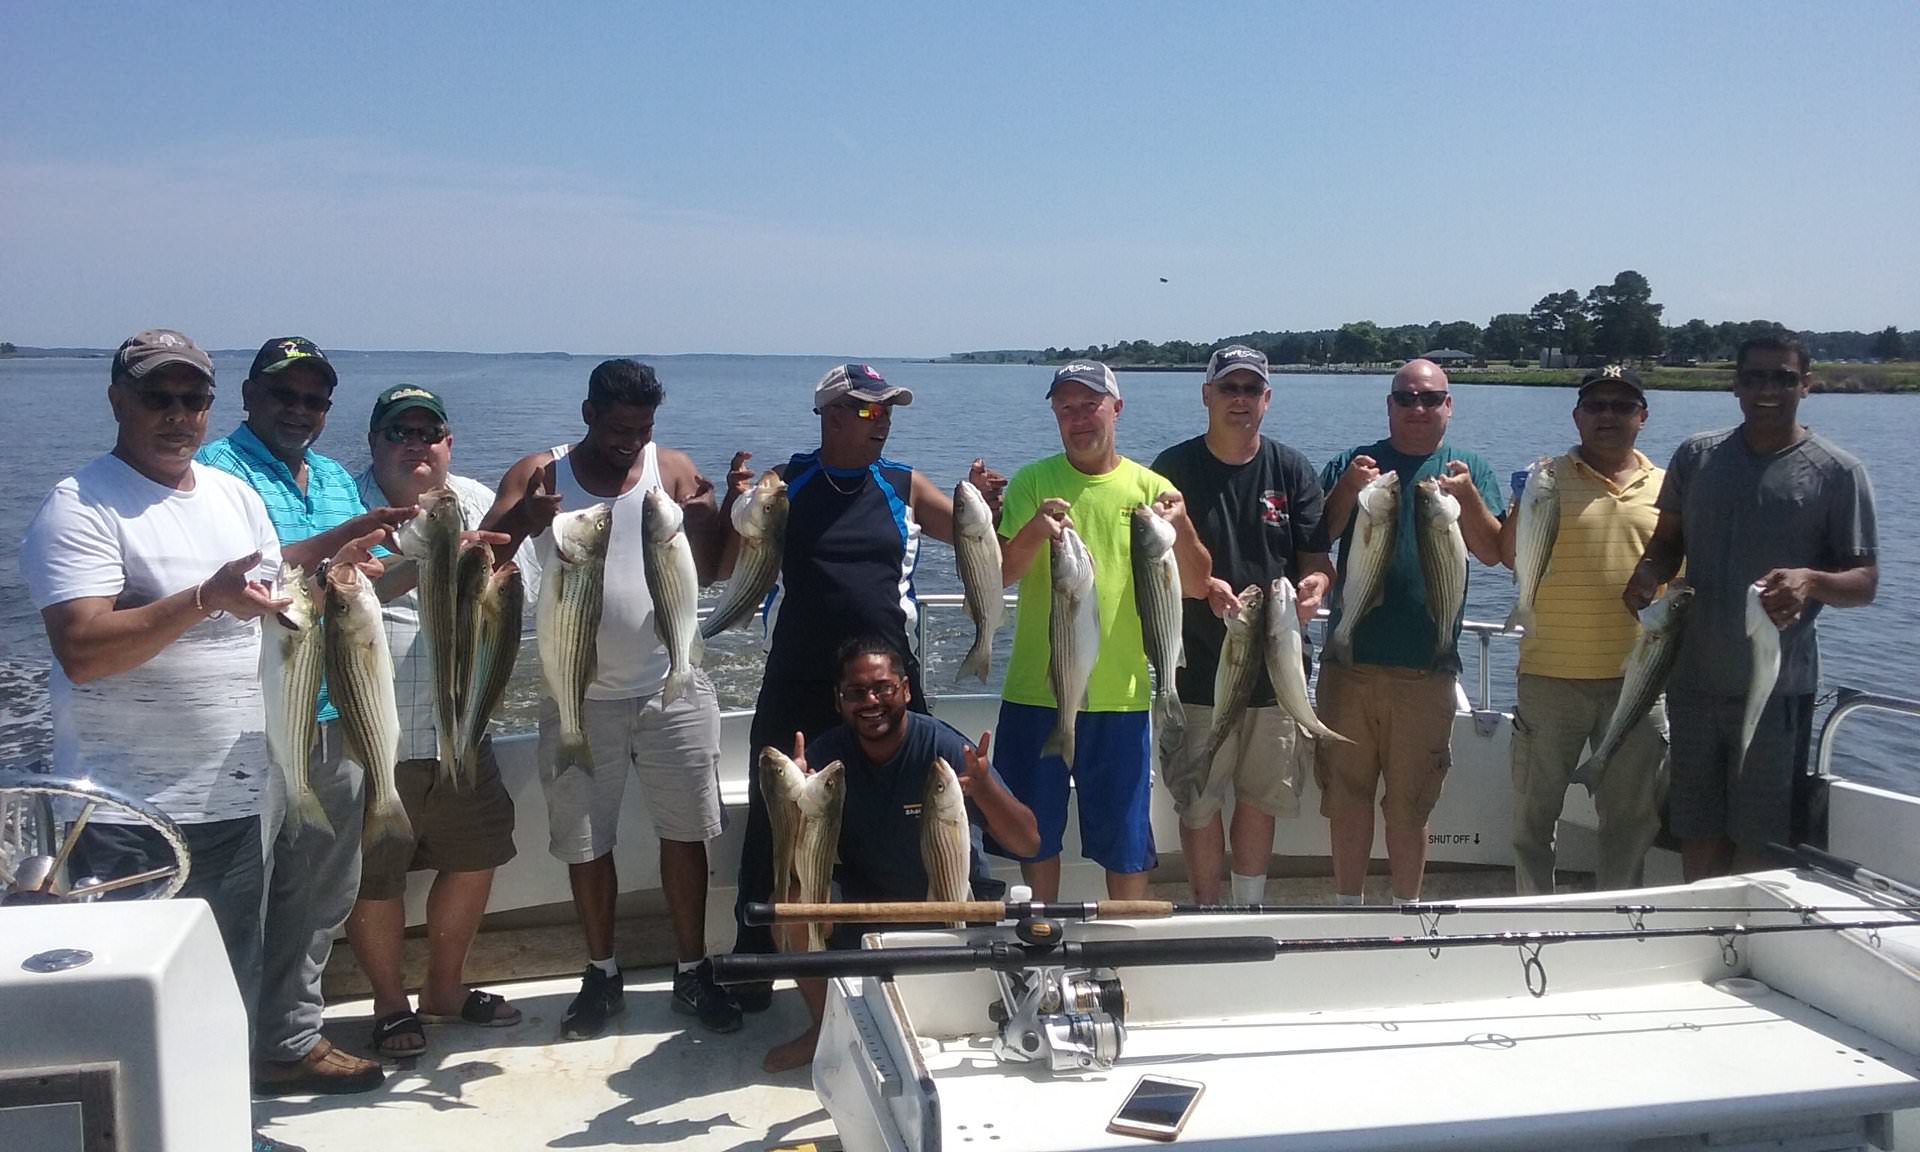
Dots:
(994, 911)
(1820, 860)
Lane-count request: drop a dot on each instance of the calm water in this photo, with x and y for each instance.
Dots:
(505, 406)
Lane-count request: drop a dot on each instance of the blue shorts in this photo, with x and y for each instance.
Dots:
(1113, 774)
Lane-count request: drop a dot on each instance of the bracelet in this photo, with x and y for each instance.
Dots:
(197, 605)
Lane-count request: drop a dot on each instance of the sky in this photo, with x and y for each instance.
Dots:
(905, 179)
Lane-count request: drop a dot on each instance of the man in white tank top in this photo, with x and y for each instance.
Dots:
(674, 748)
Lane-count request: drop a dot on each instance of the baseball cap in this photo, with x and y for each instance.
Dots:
(155, 348)
(1233, 358)
(282, 352)
(858, 382)
(1092, 373)
(1614, 374)
(401, 397)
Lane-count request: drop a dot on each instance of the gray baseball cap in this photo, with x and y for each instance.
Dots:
(858, 382)
(145, 352)
(1092, 373)
(1236, 358)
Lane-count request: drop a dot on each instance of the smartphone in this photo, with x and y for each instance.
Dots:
(1157, 1108)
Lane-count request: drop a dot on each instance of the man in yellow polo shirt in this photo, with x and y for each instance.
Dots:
(1093, 489)
(1571, 661)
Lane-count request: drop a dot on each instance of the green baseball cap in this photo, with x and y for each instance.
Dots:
(401, 397)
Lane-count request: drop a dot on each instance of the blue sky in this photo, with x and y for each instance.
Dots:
(889, 179)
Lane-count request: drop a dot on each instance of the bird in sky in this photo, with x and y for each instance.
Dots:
(1163, 279)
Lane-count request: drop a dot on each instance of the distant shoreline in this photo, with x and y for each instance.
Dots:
(1897, 376)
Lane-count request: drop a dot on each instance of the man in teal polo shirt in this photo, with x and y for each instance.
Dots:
(316, 511)
(1395, 701)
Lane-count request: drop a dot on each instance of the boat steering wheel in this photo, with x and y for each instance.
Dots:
(32, 864)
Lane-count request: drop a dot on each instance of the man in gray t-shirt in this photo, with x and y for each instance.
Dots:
(1768, 503)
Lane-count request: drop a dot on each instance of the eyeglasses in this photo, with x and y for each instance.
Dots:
(1610, 407)
(1239, 389)
(1408, 399)
(401, 433)
(159, 401)
(1767, 378)
(884, 691)
(288, 398)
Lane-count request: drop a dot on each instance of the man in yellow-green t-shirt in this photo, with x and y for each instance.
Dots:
(1093, 489)
(1574, 651)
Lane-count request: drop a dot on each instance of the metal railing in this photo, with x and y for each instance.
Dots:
(1481, 630)
(1848, 701)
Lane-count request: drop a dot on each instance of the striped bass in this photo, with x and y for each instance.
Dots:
(494, 644)
(816, 846)
(470, 573)
(1363, 578)
(1156, 596)
(1443, 565)
(432, 541)
(1644, 676)
(1763, 656)
(946, 842)
(674, 585)
(976, 551)
(761, 521)
(292, 663)
(780, 783)
(1073, 633)
(567, 626)
(1538, 527)
(360, 682)
(1239, 667)
(1287, 660)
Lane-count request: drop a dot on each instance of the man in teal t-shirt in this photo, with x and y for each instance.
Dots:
(1093, 489)
(1396, 700)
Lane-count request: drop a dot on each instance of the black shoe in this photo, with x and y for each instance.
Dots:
(601, 997)
(695, 994)
(754, 997)
(265, 1143)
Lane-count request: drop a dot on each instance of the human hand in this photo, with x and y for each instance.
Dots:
(992, 485)
(1221, 597)
(1171, 507)
(1457, 482)
(976, 772)
(1641, 589)
(739, 477)
(384, 521)
(1050, 519)
(359, 553)
(1361, 471)
(1310, 593)
(539, 506)
(480, 536)
(1785, 594)
(800, 751)
(228, 590)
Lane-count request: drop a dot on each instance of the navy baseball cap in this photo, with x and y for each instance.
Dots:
(858, 382)
(1092, 373)
(1614, 374)
(283, 352)
(1235, 358)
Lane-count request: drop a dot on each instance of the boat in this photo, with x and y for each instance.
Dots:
(1760, 1024)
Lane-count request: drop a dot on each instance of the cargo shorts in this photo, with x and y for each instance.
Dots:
(1262, 762)
(456, 827)
(1401, 723)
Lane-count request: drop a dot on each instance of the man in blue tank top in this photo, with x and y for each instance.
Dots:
(854, 524)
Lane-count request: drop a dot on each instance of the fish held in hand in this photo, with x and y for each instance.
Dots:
(1073, 634)
(1763, 656)
(1156, 596)
(292, 665)
(496, 623)
(946, 840)
(1239, 667)
(817, 844)
(674, 585)
(567, 626)
(976, 550)
(761, 521)
(1443, 565)
(1644, 677)
(1286, 653)
(1534, 535)
(780, 782)
(1376, 522)
(432, 541)
(360, 682)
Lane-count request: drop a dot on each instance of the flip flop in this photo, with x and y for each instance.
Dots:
(482, 1009)
(394, 1025)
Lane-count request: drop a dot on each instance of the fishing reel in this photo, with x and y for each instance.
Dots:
(1069, 1019)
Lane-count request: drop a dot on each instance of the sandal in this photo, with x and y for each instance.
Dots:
(392, 1027)
(482, 1009)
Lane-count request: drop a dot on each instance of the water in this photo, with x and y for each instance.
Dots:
(506, 406)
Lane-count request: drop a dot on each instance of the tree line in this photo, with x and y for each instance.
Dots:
(1611, 322)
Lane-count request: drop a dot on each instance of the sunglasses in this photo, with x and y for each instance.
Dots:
(1407, 399)
(401, 433)
(159, 401)
(1610, 407)
(1767, 378)
(288, 398)
(1239, 389)
(868, 411)
(884, 692)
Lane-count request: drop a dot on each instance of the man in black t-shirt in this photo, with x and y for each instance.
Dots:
(1256, 504)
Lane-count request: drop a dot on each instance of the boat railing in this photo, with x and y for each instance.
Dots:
(1847, 703)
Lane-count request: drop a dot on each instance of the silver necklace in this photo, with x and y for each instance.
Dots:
(857, 481)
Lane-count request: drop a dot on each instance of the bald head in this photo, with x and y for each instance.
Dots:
(1421, 373)
(1418, 407)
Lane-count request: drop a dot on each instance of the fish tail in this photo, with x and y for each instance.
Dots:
(386, 819)
(574, 753)
(979, 660)
(1521, 617)
(1588, 772)
(816, 938)
(1059, 743)
(311, 813)
(676, 686)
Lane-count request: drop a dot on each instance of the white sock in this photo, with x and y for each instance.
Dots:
(608, 966)
(1248, 889)
(1357, 898)
(687, 965)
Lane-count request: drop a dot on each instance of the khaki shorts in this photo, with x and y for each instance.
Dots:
(674, 750)
(1401, 723)
(455, 828)
(1262, 762)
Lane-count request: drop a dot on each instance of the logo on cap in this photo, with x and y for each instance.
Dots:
(167, 338)
(410, 394)
(1611, 372)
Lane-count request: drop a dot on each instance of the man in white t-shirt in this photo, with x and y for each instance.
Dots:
(460, 833)
(151, 572)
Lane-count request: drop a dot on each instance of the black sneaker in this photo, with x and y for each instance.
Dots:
(754, 997)
(601, 997)
(695, 994)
